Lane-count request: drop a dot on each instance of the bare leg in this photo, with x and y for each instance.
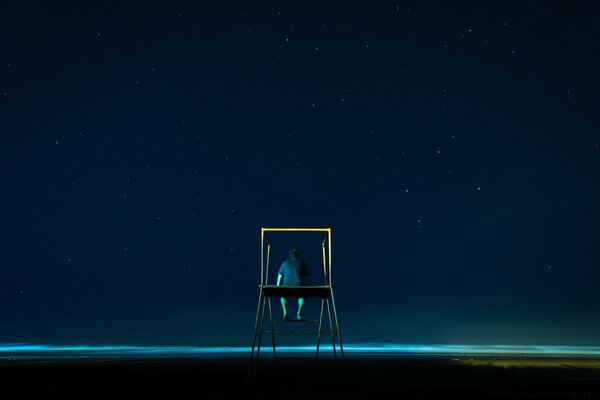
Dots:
(284, 306)
(300, 305)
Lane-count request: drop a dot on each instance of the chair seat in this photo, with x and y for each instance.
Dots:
(297, 291)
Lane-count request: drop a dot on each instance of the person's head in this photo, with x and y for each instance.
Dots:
(293, 253)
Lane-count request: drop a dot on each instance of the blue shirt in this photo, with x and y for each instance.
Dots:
(294, 272)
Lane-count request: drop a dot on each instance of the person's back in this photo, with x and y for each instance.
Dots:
(294, 272)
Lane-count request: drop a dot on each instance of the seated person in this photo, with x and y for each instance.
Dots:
(293, 272)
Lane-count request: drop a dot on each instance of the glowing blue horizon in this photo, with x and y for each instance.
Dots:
(42, 351)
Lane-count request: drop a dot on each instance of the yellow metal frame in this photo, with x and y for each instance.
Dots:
(264, 266)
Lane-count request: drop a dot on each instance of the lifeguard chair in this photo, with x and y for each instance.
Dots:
(267, 291)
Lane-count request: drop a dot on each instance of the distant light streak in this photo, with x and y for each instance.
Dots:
(39, 351)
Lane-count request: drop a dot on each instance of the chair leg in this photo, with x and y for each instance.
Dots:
(320, 327)
(337, 325)
(262, 324)
(256, 323)
(331, 329)
(272, 328)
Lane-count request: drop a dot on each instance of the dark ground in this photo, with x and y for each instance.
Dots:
(369, 378)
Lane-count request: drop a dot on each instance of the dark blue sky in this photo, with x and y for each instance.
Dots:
(452, 147)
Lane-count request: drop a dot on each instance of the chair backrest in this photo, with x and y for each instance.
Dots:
(265, 251)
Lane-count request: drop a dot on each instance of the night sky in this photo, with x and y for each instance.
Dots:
(453, 148)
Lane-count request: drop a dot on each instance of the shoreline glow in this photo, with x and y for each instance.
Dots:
(40, 351)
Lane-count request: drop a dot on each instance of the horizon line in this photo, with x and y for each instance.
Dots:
(29, 350)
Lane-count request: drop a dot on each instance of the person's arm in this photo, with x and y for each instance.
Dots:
(279, 278)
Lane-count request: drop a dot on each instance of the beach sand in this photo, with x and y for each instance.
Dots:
(302, 378)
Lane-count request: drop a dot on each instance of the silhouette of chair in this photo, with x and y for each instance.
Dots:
(324, 292)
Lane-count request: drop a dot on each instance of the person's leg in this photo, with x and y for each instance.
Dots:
(284, 306)
(300, 305)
